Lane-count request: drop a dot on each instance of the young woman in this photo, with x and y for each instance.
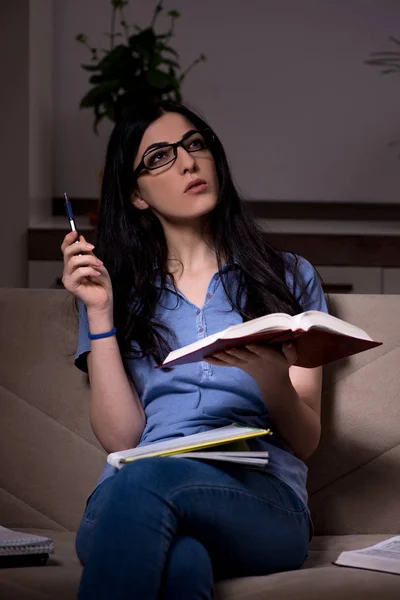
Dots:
(178, 257)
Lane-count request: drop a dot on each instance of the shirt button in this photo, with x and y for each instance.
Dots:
(216, 277)
(209, 296)
(198, 312)
(200, 330)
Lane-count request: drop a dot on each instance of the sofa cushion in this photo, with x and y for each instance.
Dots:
(317, 579)
(54, 460)
(353, 483)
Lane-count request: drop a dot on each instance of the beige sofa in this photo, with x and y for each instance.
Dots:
(50, 460)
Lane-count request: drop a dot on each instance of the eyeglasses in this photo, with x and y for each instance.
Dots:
(164, 154)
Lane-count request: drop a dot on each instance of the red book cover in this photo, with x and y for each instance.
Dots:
(315, 346)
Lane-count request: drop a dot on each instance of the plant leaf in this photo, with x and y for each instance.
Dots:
(95, 79)
(82, 38)
(385, 53)
(158, 79)
(101, 94)
(144, 66)
(171, 63)
(90, 67)
(383, 63)
(143, 42)
(163, 48)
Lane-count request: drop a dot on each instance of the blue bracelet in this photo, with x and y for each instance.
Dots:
(98, 336)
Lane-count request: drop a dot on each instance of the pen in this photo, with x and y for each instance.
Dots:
(71, 218)
(70, 214)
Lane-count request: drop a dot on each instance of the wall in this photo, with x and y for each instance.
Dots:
(41, 65)
(284, 85)
(14, 142)
(26, 169)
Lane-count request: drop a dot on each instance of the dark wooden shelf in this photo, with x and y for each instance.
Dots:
(333, 249)
(280, 209)
(45, 244)
(319, 249)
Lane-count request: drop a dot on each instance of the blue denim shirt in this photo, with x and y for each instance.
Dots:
(191, 398)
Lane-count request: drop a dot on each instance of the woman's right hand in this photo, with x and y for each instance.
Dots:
(86, 276)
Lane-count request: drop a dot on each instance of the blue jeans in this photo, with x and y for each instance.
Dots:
(167, 528)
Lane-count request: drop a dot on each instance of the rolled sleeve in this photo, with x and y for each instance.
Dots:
(308, 289)
(83, 340)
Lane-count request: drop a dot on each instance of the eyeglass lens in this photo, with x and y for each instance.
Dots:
(164, 155)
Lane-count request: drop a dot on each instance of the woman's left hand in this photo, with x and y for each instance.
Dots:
(259, 361)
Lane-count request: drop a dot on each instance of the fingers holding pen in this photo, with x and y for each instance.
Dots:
(82, 261)
(72, 246)
(78, 254)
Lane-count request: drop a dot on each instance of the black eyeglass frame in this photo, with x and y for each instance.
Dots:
(141, 166)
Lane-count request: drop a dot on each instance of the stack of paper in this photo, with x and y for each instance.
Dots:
(384, 556)
(257, 459)
(198, 446)
(15, 544)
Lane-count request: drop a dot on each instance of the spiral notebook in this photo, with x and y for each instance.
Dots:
(17, 543)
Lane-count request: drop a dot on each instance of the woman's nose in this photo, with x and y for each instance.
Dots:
(185, 160)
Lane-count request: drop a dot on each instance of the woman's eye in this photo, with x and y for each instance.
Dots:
(197, 143)
(155, 158)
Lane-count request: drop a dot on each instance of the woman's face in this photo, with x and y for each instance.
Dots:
(164, 190)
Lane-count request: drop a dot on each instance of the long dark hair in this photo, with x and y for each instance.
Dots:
(133, 247)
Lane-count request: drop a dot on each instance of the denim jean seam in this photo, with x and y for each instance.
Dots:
(88, 521)
(166, 545)
(86, 518)
(87, 510)
(167, 508)
(87, 540)
(300, 512)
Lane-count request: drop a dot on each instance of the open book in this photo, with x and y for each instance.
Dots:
(384, 556)
(320, 338)
(17, 547)
(188, 446)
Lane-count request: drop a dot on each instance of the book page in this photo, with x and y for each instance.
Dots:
(14, 543)
(203, 439)
(8, 537)
(210, 339)
(272, 322)
(387, 549)
(384, 556)
(316, 318)
(243, 458)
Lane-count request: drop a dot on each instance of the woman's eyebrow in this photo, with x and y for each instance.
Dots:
(156, 145)
(160, 144)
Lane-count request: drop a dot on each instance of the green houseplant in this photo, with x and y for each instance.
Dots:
(387, 60)
(141, 65)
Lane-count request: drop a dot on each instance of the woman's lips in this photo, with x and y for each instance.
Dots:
(197, 189)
